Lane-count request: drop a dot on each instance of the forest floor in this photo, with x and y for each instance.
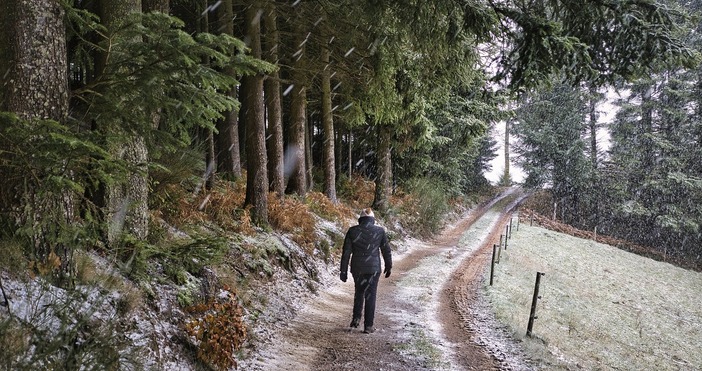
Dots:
(430, 313)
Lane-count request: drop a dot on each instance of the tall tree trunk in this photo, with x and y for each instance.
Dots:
(295, 159)
(252, 88)
(328, 129)
(6, 50)
(506, 177)
(276, 168)
(309, 165)
(38, 79)
(35, 87)
(383, 182)
(127, 206)
(163, 6)
(350, 143)
(338, 156)
(210, 157)
(226, 141)
(593, 126)
(648, 156)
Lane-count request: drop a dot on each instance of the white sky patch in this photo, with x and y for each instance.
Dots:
(498, 163)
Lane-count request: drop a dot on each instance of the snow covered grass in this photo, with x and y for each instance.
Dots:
(600, 308)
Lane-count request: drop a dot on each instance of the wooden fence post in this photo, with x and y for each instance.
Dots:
(499, 252)
(532, 315)
(492, 264)
(518, 219)
(510, 228)
(506, 235)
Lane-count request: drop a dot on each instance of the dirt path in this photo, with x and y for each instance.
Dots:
(427, 312)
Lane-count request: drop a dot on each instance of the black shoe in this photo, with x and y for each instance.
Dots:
(369, 330)
(354, 322)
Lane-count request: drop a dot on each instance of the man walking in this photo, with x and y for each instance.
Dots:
(363, 246)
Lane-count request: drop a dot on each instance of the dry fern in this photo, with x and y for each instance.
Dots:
(291, 215)
(218, 330)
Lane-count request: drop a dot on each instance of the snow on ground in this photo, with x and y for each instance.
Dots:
(423, 284)
(600, 307)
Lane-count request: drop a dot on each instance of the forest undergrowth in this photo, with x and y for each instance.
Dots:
(205, 265)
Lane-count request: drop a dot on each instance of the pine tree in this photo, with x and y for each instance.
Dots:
(126, 201)
(253, 113)
(273, 99)
(551, 126)
(38, 197)
(655, 154)
(227, 137)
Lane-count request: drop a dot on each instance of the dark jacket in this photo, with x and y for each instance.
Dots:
(363, 245)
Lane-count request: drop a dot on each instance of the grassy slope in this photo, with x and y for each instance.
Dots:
(601, 308)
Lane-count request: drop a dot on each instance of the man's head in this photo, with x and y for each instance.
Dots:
(366, 212)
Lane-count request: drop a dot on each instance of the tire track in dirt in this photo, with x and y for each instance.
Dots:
(459, 309)
(318, 337)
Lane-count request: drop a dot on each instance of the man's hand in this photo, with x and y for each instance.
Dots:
(343, 276)
(387, 272)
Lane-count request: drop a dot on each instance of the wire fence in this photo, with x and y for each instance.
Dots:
(592, 305)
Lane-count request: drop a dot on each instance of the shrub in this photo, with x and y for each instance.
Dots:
(357, 190)
(292, 215)
(424, 206)
(218, 330)
(224, 206)
(322, 206)
(177, 257)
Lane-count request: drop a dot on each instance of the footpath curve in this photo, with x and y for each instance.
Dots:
(429, 315)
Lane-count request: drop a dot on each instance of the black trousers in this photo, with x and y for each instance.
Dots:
(366, 286)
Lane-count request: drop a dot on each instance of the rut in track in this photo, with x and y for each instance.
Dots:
(424, 312)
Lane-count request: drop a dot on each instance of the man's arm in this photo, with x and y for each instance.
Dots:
(345, 257)
(387, 254)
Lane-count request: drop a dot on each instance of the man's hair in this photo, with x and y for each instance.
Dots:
(367, 212)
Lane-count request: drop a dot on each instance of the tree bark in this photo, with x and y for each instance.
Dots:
(295, 159)
(309, 165)
(227, 138)
(593, 126)
(276, 168)
(210, 156)
(38, 80)
(6, 51)
(35, 87)
(162, 6)
(338, 156)
(383, 182)
(252, 88)
(350, 153)
(227, 142)
(127, 202)
(506, 177)
(328, 129)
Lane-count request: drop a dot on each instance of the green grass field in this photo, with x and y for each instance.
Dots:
(601, 308)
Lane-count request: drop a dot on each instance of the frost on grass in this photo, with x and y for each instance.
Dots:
(600, 307)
